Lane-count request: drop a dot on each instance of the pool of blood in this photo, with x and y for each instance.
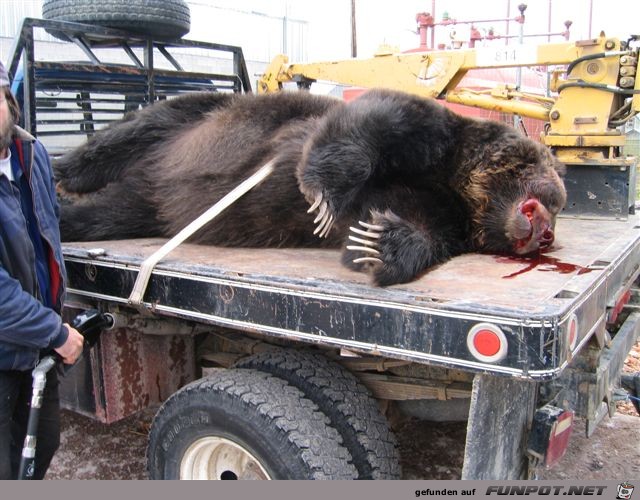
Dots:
(541, 262)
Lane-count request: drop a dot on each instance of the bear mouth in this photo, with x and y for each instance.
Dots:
(523, 245)
(533, 243)
(535, 231)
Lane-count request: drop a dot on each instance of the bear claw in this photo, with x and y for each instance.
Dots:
(368, 245)
(373, 260)
(362, 241)
(363, 249)
(321, 212)
(373, 227)
(368, 234)
(327, 222)
(316, 203)
(325, 217)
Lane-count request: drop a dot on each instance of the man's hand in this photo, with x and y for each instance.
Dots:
(72, 348)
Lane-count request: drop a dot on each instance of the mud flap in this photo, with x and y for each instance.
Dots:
(498, 428)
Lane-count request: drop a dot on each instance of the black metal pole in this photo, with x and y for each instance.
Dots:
(27, 463)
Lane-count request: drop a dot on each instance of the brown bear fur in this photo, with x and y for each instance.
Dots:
(432, 183)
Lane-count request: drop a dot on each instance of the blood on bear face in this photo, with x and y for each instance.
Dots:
(540, 231)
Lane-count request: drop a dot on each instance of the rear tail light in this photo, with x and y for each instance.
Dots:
(617, 309)
(550, 434)
(572, 333)
(487, 343)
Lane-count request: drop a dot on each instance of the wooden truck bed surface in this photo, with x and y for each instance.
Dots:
(307, 294)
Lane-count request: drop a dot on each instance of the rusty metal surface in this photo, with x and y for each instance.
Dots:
(139, 370)
(137, 365)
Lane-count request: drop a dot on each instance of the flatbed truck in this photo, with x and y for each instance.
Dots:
(235, 343)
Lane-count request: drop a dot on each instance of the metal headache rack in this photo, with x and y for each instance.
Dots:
(65, 98)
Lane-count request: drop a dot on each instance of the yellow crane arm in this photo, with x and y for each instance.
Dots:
(423, 73)
(579, 115)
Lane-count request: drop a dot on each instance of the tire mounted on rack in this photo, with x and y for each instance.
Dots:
(244, 424)
(166, 19)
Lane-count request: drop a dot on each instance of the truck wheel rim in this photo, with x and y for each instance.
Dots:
(220, 458)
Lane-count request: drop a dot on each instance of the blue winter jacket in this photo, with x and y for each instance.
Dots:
(27, 326)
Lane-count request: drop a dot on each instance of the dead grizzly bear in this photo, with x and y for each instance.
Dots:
(400, 181)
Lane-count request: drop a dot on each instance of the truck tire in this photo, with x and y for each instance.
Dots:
(244, 424)
(166, 19)
(345, 400)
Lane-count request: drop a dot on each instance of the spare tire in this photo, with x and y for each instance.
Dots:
(167, 19)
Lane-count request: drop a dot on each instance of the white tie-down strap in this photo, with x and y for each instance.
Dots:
(147, 266)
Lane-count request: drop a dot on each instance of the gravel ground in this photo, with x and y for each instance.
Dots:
(91, 450)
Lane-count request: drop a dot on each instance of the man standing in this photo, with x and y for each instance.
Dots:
(31, 290)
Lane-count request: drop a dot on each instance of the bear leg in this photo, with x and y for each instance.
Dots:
(115, 212)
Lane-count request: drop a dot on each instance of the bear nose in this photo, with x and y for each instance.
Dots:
(546, 238)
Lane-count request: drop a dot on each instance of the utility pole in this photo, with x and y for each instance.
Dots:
(285, 28)
(354, 43)
(507, 22)
(517, 119)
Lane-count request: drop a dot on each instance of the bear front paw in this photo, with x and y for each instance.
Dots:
(392, 250)
(367, 240)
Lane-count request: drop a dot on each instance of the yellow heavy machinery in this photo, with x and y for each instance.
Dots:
(594, 85)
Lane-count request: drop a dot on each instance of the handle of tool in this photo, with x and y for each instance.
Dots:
(90, 324)
(39, 374)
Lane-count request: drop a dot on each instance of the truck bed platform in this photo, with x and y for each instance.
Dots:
(307, 295)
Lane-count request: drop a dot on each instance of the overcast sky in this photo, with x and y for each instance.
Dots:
(327, 32)
(392, 21)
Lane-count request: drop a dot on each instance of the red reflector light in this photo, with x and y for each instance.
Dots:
(617, 309)
(487, 343)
